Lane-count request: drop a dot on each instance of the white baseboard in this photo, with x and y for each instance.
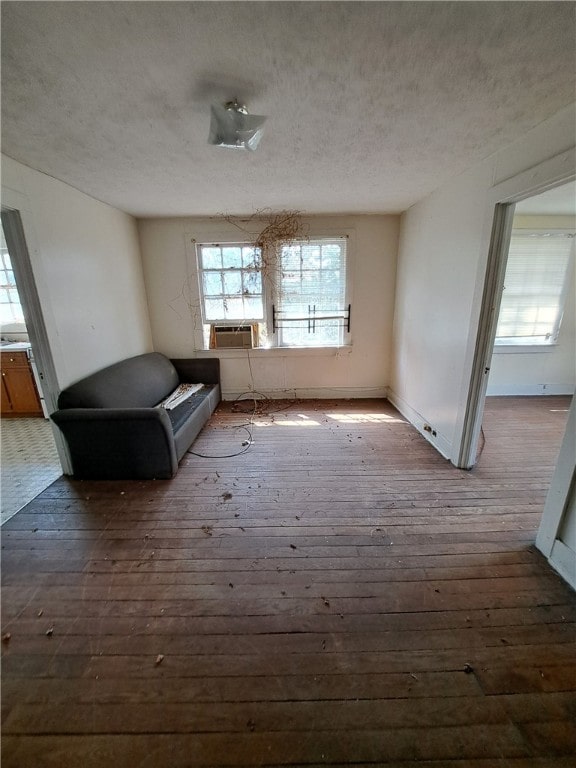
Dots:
(521, 390)
(562, 560)
(314, 393)
(439, 441)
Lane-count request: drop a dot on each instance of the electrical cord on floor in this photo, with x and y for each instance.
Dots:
(482, 446)
(268, 402)
(247, 443)
(265, 405)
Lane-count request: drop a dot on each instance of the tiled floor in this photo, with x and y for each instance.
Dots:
(29, 462)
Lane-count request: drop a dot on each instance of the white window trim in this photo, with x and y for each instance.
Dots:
(273, 297)
(227, 321)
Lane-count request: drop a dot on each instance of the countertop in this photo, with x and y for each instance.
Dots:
(15, 346)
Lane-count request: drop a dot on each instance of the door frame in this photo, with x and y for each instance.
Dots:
(501, 201)
(34, 319)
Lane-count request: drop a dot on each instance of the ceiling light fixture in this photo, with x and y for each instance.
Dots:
(231, 126)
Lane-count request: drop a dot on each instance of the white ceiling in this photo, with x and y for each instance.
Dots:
(371, 105)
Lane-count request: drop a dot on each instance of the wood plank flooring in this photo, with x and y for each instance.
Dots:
(339, 594)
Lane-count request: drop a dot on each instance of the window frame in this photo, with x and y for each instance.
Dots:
(271, 343)
(344, 334)
(246, 319)
(537, 343)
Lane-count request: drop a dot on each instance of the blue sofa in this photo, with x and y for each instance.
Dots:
(114, 426)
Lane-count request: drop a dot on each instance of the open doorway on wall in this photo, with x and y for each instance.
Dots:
(533, 365)
(29, 457)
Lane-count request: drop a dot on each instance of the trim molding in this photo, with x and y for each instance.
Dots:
(317, 393)
(521, 390)
(562, 560)
(438, 441)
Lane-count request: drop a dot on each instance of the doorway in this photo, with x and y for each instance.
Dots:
(502, 200)
(534, 350)
(30, 460)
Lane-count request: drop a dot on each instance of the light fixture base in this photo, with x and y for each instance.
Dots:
(233, 127)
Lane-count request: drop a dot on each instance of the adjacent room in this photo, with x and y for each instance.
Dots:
(342, 234)
(30, 461)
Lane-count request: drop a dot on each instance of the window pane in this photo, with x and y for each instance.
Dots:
(231, 257)
(253, 308)
(212, 283)
(211, 257)
(330, 334)
(10, 277)
(251, 258)
(292, 337)
(311, 256)
(6, 313)
(290, 258)
(234, 309)
(331, 281)
(214, 309)
(232, 282)
(331, 255)
(4, 297)
(290, 281)
(252, 282)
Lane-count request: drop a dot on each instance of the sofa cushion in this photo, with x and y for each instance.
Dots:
(138, 382)
(179, 415)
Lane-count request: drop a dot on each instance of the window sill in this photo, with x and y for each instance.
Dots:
(523, 349)
(277, 352)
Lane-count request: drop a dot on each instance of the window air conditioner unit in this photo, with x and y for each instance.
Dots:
(231, 337)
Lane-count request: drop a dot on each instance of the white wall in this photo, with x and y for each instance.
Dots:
(361, 370)
(540, 370)
(441, 266)
(86, 262)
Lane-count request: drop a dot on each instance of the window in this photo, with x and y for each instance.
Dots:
(298, 298)
(10, 307)
(310, 308)
(537, 273)
(230, 283)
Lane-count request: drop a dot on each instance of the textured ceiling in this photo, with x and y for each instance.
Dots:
(371, 106)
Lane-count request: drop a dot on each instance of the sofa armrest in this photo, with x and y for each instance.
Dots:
(198, 370)
(118, 443)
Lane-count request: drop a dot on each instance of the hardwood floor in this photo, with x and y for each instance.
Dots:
(337, 595)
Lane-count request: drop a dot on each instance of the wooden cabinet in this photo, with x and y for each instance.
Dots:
(19, 396)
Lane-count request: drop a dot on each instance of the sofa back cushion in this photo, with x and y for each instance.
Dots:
(138, 382)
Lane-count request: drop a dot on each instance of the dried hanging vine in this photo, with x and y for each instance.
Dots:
(266, 231)
(280, 228)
